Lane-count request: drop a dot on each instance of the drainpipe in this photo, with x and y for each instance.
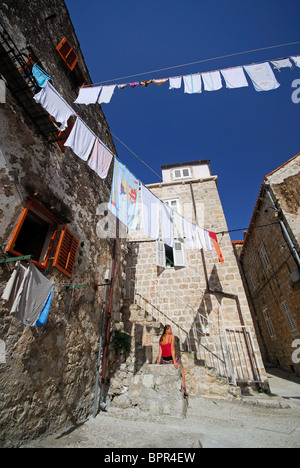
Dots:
(287, 236)
(105, 352)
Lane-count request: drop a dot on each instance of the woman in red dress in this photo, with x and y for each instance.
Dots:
(167, 353)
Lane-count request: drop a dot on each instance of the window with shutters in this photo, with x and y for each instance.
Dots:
(265, 258)
(168, 257)
(179, 174)
(34, 234)
(67, 53)
(269, 323)
(66, 253)
(289, 317)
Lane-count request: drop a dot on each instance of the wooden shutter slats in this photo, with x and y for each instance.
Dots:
(67, 53)
(66, 253)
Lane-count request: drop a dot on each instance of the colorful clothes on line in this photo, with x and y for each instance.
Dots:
(124, 196)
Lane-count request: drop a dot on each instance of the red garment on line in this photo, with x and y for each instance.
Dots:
(166, 349)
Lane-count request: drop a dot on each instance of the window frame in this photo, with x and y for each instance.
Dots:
(52, 220)
(65, 57)
(269, 323)
(289, 317)
(182, 177)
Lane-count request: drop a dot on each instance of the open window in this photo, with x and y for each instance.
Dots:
(67, 53)
(168, 257)
(35, 235)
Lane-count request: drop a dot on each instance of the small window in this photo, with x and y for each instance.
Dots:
(67, 53)
(66, 252)
(265, 258)
(173, 204)
(34, 234)
(182, 174)
(269, 323)
(168, 257)
(290, 319)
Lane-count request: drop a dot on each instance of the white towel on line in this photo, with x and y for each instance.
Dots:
(81, 140)
(296, 60)
(188, 233)
(100, 159)
(212, 81)
(106, 94)
(282, 63)
(175, 82)
(234, 78)
(262, 76)
(192, 84)
(88, 95)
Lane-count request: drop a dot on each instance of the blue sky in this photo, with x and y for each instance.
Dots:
(246, 134)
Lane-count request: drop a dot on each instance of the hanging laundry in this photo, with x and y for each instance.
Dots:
(202, 238)
(196, 238)
(296, 60)
(167, 228)
(212, 81)
(100, 159)
(188, 231)
(134, 85)
(150, 213)
(88, 95)
(160, 82)
(42, 320)
(124, 196)
(192, 84)
(175, 82)
(262, 77)
(122, 86)
(215, 242)
(178, 225)
(27, 293)
(81, 140)
(106, 94)
(55, 105)
(282, 63)
(145, 83)
(41, 77)
(208, 240)
(234, 78)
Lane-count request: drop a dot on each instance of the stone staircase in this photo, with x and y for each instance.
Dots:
(138, 382)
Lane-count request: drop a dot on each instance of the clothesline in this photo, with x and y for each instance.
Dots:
(125, 191)
(260, 73)
(197, 62)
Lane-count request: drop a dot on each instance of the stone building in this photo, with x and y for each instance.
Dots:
(270, 261)
(50, 205)
(204, 300)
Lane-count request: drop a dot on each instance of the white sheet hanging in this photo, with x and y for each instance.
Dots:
(81, 140)
(55, 105)
(100, 159)
(175, 82)
(178, 225)
(150, 213)
(234, 78)
(106, 94)
(192, 84)
(167, 228)
(188, 233)
(212, 81)
(262, 76)
(88, 95)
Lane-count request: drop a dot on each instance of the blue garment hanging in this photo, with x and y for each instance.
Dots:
(40, 76)
(45, 312)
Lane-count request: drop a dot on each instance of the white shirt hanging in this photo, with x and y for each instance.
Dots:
(106, 94)
(81, 140)
(55, 105)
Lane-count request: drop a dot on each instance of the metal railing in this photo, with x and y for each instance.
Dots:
(228, 349)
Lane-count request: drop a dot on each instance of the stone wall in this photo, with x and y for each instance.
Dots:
(47, 375)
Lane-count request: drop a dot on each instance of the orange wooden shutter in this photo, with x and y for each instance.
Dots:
(64, 260)
(67, 53)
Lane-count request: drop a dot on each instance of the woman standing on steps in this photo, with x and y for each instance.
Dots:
(167, 353)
